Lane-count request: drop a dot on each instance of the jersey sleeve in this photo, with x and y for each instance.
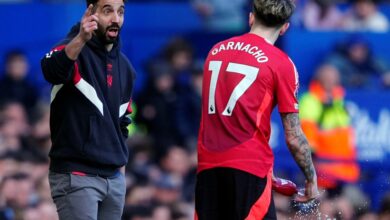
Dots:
(287, 84)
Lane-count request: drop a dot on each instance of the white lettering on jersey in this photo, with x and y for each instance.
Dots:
(246, 48)
(230, 46)
(238, 45)
(241, 46)
(222, 47)
(251, 51)
(214, 51)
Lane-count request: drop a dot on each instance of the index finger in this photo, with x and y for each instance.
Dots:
(88, 12)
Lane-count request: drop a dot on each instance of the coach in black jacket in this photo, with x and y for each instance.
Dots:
(90, 102)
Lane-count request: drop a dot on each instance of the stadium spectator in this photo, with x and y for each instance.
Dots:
(326, 124)
(322, 15)
(39, 138)
(139, 201)
(42, 211)
(142, 166)
(167, 190)
(358, 65)
(178, 54)
(6, 211)
(169, 76)
(365, 16)
(156, 104)
(188, 109)
(337, 208)
(14, 127)
(23, 185)
(18, 192)
(14, 85)
(177, 164)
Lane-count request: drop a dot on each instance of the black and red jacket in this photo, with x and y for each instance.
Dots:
(90, 103)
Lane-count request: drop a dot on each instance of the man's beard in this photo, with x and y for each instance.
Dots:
(102, 34)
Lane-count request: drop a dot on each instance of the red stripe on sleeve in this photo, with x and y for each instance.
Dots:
(77, 75)
(59, 48)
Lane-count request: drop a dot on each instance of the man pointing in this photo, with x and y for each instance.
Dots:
(90, 101)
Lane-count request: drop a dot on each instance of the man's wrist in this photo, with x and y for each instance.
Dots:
(73, 49)
(312, 180)
(80, 40)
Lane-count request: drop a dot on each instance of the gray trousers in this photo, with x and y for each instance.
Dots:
(88, 197)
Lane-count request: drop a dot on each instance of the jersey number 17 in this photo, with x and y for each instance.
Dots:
(250, 74)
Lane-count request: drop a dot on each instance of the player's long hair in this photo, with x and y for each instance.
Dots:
(273, 13)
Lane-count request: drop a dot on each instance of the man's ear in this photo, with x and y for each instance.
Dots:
(284, 28)
(251, 19)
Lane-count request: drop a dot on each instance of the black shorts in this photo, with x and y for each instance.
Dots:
(231, 194)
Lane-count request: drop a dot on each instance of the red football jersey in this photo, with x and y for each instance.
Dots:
(245, 77)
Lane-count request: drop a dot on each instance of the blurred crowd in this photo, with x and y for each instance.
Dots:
(318, 15)
(24, 145)
(163, 137)
(358, 15)
(345, 15)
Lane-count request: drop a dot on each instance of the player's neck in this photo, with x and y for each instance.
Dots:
(269, 34)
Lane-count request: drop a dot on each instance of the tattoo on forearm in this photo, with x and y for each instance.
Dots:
(297, 144)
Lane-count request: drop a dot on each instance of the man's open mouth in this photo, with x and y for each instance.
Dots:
(113, 32)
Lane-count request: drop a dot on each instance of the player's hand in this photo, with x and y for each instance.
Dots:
(88, 24)
(311, 192)
(307, 200)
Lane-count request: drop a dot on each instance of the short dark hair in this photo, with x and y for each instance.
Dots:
(273, 13)
(13, 54)
(95, 1)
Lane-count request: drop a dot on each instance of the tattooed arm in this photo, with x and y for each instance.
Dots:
(299, 148)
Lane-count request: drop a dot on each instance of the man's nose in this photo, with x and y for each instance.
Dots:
(115, 18)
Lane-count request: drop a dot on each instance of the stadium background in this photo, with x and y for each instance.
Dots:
(161, 186)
